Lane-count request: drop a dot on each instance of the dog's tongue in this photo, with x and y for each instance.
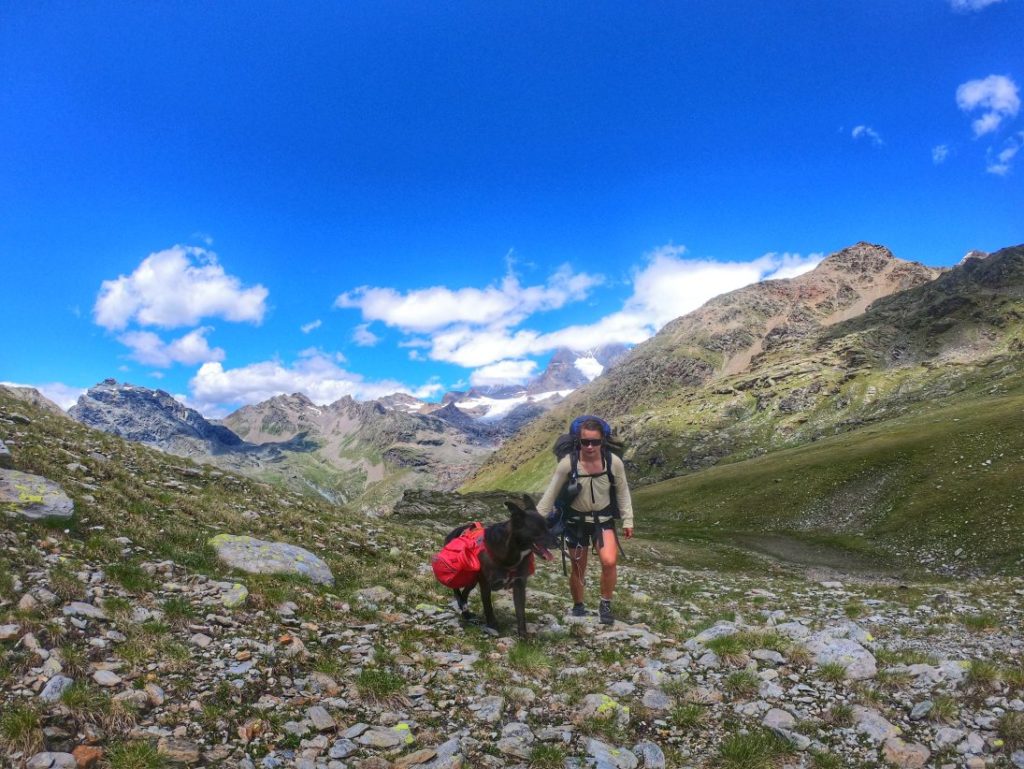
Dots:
(543, 552)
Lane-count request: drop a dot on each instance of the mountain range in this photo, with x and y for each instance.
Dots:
(862, 338)
(359, 453)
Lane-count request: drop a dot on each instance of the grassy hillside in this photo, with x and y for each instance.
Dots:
(942, 488)
(682, 407)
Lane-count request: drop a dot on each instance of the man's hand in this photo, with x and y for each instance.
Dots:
(628, 533)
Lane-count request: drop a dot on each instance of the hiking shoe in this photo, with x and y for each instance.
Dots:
(579, 610)
(605, 610)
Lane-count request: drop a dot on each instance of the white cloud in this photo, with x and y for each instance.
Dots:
(997, 95)
(192, 348)
(177, 287)
(1000, 164)
(868, 133)
(966, 6)
(63, 395)
(939, 154)
(363, 337)
(665, 288)
(429, 309)
(481, 328)
(316, 374)
(504, 372)
(311, 326)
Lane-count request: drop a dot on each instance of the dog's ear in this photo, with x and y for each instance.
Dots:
(528, 503)
(515, 509)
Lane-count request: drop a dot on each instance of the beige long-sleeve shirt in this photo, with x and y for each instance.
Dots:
(595, 491)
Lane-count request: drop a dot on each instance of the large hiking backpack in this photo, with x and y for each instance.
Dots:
(567, 444)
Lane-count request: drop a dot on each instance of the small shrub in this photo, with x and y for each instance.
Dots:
(981, 622)
(528, 658)
(944, 709)
(378, 684)
(743, 683)
(757, 749)
(546, 756)
(66, 585)
(21, 729)
(893, 679)
(687, 716)
(833, 672)
(135, 755)
(822, 760)
(178, 610)
(854, 609)
(840, 715)
(983, 676)
(800, 656)
(1011, 729)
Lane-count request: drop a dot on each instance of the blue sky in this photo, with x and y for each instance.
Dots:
(232, 200)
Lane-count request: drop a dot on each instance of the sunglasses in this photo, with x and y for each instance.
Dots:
(591, 442)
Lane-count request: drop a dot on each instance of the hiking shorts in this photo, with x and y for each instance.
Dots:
(586, 535)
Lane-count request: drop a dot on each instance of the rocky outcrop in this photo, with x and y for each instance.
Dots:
(151, 417)
(33, 497)
(259, 557)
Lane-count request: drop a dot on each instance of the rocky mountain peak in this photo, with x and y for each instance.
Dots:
(152, 417)
(861, 257)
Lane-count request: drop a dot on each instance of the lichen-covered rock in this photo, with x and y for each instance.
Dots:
(259, 557)
(32, 496)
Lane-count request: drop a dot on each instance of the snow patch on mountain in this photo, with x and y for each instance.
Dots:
(493, 409)
(589, 366)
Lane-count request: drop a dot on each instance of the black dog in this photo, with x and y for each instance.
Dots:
(506, 560)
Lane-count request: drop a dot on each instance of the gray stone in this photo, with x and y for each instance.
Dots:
(384, 739)
(516, 740)
(858, 661)
(6, 461)
(905, 755)
(488, 709)
(650, 755)
(605, 756)
(947, 736)
(82, 609)
(657, 700)
(376, 594)
(604, 707)
(9, 632)
(321, 719)
(779, 719)
(871, 724)
(201, 640)
(920, 710)
(342, 749)
(258, 557)
(178, 750)
(235, 596)
(54, 688)
(52, 761)
(33, 497)
(106, 678)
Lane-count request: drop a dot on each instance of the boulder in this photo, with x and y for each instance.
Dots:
(258, 557)
(33, 497)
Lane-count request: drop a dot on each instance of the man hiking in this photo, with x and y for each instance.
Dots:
(589, 487)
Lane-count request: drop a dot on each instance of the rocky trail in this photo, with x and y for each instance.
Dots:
(115, 655)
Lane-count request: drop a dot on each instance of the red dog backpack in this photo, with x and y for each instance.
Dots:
(458, 564)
